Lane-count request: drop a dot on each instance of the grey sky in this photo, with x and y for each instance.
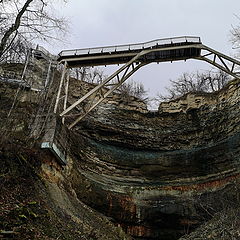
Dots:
(110, 22)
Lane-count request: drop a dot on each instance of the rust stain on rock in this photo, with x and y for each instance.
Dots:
(136, 230)
(203, 186)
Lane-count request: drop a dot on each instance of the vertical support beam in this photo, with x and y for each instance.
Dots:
(66, 95)
(48, 74)
(214, 58)
(118, 79)
(232, 67)
(26, 64)
(60, 87)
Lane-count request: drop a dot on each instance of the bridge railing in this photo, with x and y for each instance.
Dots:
(127, 47)
(44, 52)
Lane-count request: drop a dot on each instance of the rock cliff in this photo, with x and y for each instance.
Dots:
(156, 175)
(160, 175)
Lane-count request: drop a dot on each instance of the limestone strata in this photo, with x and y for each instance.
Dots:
(195, 100)
(37, 200)
(159, 174)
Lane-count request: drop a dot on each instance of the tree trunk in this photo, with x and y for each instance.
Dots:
(13, 29)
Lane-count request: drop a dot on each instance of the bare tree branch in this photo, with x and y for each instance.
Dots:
(13, 28)
(27, 21)
(132, 89)
(195, 82)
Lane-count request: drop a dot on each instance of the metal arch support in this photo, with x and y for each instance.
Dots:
(225, 63)
(104, 89)
(100, 92)
(94, 97)
(101, 96)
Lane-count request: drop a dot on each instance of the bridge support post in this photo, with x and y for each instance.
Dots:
(60, 87)
(66, 94)
(134, 56)
(103, 90)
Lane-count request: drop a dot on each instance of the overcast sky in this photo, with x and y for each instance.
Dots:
(110, 22)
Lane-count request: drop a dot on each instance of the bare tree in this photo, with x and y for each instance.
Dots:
(235, 35)
(25, 21)
(80, 73)
(88, 74)
(95, 76)
(215, 80)
(126, 91)
(132, 89)
(195, 82)
(18, 51)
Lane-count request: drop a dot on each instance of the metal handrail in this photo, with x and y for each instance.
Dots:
(128, 47)
(45, 52)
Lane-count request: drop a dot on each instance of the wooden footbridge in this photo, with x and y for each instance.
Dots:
(133, 57)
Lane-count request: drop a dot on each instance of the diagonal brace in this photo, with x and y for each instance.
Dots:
(224, 59)
(101, 85)
(123, 79)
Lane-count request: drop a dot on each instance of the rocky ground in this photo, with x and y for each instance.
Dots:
(223, 226)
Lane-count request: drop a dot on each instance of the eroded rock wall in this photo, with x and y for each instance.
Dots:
(158, 174)
(37, 200)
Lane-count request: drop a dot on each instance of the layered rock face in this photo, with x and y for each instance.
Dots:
(160, 175)
(156, 175)
(37, 200)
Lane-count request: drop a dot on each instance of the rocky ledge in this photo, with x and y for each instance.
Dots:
(156, 175)
(160, 175)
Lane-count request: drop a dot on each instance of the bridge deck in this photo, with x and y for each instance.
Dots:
(170, 49)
